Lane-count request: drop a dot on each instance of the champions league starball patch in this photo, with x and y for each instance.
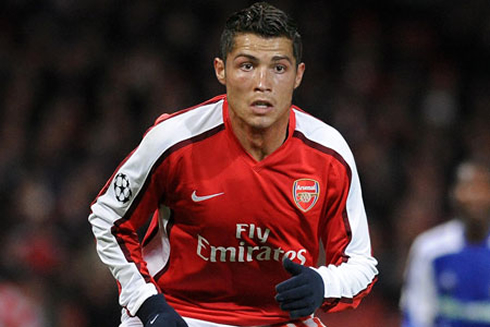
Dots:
(122, 188)
(306, 193)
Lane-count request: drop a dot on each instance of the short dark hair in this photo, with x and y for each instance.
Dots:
(263, 20)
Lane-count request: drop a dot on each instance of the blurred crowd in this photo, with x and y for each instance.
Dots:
(406, 82)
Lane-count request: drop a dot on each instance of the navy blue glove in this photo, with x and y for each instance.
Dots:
(301, 294)
(155, 312)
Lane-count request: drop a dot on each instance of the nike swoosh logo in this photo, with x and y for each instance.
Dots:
(154, 319)
(197, 198)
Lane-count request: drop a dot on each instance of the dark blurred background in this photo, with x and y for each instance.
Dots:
(406, 82)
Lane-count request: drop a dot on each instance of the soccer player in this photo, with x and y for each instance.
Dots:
(448, 273)
(245, 191)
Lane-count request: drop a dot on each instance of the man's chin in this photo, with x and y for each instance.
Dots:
(260, 123)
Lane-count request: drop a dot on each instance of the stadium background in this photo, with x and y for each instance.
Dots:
(406, 82)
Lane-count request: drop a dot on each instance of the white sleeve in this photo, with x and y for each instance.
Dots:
(419, 297)
(120, 210)
(116, 215)
(353, 278)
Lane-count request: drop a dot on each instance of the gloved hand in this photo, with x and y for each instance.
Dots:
(301, 294)
(155, 312)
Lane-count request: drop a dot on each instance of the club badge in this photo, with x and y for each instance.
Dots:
(306, 193)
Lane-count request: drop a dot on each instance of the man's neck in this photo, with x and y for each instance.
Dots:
(260, 143)
(476, 233)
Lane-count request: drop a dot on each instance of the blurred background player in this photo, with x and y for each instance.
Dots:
(448, 274)
(245, 190)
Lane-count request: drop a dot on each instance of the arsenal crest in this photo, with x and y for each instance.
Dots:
(306, 193)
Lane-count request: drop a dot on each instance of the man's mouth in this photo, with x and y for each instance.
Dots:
(261, 104)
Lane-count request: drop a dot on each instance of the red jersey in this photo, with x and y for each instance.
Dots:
(222, 221)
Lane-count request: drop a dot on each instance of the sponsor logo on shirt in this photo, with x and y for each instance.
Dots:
(197, 198)
(244, 252)
(306, 193)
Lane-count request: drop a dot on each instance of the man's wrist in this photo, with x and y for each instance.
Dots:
(152, 305)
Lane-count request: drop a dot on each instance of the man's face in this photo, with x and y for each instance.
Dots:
(472, 193)
(260, 75)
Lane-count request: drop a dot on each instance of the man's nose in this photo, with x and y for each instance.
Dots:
(263, 80)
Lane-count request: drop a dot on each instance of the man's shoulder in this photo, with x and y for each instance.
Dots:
(442, 232)
(441, 239)
(187, 125)
(187, 113)
(309, 123)
(323, 135)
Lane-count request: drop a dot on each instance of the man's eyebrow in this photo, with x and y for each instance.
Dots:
(248, 56)
(274, 59)
(279, 58)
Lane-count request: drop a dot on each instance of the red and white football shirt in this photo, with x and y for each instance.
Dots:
(222, 222)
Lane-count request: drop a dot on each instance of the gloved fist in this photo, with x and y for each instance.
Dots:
(155, 312)
(301, 294)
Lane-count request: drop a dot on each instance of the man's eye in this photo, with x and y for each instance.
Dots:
(280, 68)
(246, 66)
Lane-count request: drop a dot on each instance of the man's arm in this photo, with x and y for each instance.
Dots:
(419, 299)
(350, 270)
(123, 206)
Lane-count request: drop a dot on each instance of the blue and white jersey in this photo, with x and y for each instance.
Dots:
(447, 280)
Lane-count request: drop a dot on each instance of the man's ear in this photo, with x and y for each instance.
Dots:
(299, 74)
(219, 70)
